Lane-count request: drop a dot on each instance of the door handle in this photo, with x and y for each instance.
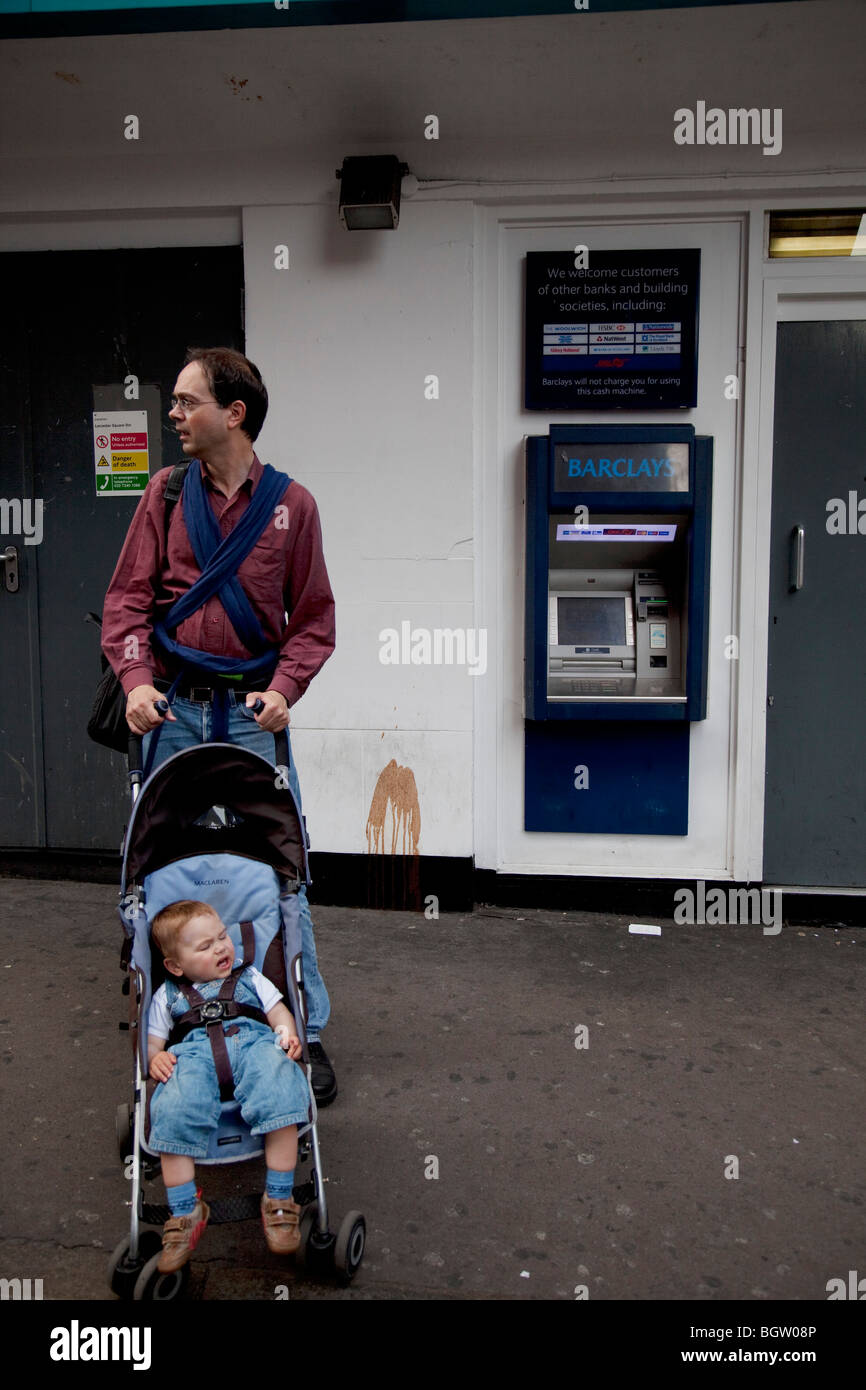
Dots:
(796, 558)
(10, 569)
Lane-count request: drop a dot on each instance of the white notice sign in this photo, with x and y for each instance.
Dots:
(120, 452)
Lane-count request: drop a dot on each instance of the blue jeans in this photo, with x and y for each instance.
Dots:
(194, 723)
(272, 1090)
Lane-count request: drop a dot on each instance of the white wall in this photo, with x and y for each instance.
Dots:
(345, 339)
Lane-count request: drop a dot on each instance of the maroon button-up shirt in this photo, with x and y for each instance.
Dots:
(284, 578)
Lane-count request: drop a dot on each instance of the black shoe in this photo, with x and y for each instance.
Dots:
(324, 1081)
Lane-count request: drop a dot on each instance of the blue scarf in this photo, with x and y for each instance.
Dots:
(219, 560)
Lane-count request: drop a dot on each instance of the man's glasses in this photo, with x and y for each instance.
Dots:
(188, 403)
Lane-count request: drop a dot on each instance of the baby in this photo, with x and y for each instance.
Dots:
(274, 1096)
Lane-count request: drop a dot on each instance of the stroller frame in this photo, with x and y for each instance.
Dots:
(272, 811)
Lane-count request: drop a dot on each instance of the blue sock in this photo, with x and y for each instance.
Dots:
(182, 1199)
(280, 1184)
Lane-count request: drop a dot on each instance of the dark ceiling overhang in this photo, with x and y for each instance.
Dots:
(48, 18)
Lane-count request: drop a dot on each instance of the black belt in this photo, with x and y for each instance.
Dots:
(203, 694)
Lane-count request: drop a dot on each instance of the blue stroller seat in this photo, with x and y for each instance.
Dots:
(238, 890)
(219, 824)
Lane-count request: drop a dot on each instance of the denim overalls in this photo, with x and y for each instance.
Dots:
(272, 1089)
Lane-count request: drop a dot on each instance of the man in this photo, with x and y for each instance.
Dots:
(218, 408)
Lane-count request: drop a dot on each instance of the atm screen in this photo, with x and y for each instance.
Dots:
(591, 621)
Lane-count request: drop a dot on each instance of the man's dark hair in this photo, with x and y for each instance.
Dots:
(233, 377)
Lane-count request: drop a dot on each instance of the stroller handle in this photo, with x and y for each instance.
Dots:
(135, 745)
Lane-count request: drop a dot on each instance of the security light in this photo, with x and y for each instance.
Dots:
(370, 191)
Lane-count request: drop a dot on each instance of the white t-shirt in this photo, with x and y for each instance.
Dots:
(160, 1021)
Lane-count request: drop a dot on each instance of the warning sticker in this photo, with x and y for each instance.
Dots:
(120, 452)
(127, 461)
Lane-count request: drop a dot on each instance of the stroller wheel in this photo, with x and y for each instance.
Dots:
(122, 1271)
(315, 1254)
(349, 1247)
(123, 1129)
(153, 1287)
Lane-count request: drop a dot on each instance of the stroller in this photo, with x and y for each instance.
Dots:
(217, 823)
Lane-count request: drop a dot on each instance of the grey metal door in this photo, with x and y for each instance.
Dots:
(815, 809)
(74, 326)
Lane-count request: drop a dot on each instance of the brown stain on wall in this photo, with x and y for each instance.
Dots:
(395, 788)
(393, 880)
(237, 85)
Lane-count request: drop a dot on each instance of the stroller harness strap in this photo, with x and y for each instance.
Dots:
(211, 1013)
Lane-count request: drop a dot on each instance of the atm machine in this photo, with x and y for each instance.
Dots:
(617, 620)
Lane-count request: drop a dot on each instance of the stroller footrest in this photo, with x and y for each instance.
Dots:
(223, 1209)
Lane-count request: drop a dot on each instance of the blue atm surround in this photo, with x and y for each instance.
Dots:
(615, 766)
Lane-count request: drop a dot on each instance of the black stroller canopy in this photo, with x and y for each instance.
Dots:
(214, 798)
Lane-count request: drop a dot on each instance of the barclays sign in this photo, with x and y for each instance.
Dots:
(607, 470)
(619, 468)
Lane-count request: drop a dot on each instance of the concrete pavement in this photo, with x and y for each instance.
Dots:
(709, 1051)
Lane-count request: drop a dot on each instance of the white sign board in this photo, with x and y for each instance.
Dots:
(120, 452)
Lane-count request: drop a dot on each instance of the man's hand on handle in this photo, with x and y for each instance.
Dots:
(142, 716)
(275, 715)
(140, 713)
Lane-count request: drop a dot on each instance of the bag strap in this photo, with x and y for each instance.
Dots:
(171, 497)
(173, 490)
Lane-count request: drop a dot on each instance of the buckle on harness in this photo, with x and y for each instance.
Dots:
(212, 1011)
